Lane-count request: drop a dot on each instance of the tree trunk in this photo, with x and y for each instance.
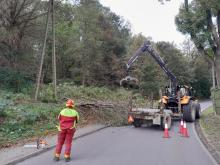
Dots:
(212, 28)
(218, 22)
(186, 5)
(83, 79)
(210, 61)
(213, 76)
(54, 54)
(217, 54)
(217, 66)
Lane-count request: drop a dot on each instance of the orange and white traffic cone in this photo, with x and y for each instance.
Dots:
(130, 119)
(166, 131)
(181, 127)
(185, 131)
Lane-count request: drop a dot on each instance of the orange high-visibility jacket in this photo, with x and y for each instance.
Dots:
(68, 118)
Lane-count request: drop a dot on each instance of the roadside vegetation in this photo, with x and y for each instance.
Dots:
(210, 123)
(22, 119)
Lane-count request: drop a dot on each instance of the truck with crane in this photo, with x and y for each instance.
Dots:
(177, 102)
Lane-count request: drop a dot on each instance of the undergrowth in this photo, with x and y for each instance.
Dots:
(22, 119)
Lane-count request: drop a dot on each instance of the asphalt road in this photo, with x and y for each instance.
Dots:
(134, 146)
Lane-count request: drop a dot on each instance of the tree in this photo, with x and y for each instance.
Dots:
(149, 73)
(186, 3)
(188, 48)
(201, 69)
(202, 77)
(176, 62)
(17, 26)
(91, 42)
(145, 69)
(115, 37)
(197, 22)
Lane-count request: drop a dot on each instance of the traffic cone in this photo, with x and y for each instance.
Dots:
(166, 131)
(185, 131)
(181, 127)
(130, 119)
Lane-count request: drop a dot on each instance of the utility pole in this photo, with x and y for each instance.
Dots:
(42, 54)
(50, 13)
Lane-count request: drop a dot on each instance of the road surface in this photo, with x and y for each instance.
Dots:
(134, 146)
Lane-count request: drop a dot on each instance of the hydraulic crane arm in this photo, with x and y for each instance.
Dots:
(147, 47)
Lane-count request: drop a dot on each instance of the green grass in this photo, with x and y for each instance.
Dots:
(22, 121)
(205, 119)
(86, 93)
(208, 111)
(210, 123)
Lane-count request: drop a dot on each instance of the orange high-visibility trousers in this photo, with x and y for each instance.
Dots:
(66, 136)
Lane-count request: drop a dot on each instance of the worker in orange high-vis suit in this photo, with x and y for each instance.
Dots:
(68, 118)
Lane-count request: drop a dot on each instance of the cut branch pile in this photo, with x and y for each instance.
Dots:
(105, 112)
(101, 106)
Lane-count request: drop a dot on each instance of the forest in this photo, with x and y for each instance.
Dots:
(93, 45)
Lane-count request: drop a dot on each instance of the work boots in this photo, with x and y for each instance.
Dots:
(56, 157)
(67, 158)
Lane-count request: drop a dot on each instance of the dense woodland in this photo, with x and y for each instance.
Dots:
(93, 45)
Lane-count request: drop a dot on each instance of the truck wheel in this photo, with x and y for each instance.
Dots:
(137, 123)
(166, 119)
(198, 111)
(189, 112)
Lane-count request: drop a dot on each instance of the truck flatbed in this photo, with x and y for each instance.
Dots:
(149, 115)
(146, 110)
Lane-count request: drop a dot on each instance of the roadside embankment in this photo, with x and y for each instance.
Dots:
(23, 120)
(208, 128)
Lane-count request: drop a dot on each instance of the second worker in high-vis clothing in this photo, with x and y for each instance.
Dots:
(68, 118)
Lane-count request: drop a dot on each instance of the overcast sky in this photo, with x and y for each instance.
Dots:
(149, 17)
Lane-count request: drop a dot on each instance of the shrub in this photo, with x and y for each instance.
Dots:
(14, 80)
(3, 106)
(46, 94)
